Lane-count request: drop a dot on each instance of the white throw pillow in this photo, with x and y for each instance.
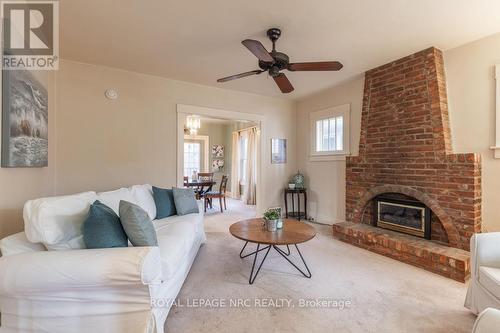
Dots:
(56, 221)
(112, 198)
(143, 195)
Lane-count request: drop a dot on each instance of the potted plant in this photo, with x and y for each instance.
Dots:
(271, 217)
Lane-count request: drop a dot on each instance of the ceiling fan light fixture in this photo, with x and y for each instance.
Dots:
(274, 71)
(193, 124)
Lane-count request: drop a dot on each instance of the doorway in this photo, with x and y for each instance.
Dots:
(221, 143)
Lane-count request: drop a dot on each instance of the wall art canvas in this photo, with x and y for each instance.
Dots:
(278, 151)
(218, 151)
(24, 119)
(217, 165)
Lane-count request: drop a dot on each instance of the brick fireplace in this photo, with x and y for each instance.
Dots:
(405, 151)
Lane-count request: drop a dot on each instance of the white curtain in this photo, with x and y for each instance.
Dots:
(250, 195)
(235, 164)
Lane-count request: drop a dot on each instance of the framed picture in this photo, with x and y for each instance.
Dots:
(217, 165)
(217, 151)
(278, 151)
(25, 119)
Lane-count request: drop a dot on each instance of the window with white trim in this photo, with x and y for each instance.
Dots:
(330, 133)
(192, 158)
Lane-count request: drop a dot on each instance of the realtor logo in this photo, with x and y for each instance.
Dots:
(30, 35)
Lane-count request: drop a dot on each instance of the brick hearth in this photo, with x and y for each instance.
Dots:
(405, 147)
(441, 259)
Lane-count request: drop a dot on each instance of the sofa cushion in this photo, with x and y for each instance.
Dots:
(112, 198)
(176, 235)
(164, 201)
(489, 277)
(143, 195)
(56, 222)
(137, 225)
(102, 228)
(185, 201)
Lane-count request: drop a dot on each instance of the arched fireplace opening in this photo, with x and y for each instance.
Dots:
(442, 227)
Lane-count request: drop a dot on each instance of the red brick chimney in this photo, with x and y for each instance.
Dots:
(405, 147)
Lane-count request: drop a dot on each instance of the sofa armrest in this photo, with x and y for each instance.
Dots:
(43, 272)
(487, 321)
(485, 250)
(19, 243)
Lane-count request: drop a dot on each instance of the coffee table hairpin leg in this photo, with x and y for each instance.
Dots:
(280, 251)
(284, 255)
(252, 276)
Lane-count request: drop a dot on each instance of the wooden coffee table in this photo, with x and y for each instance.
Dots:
(292, 233)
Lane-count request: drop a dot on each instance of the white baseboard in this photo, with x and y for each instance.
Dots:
(323, 219)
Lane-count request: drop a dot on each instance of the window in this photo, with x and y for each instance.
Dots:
(192, 158)
(330, 133)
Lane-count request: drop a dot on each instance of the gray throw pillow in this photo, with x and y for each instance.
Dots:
(137, 225)
(185, 201)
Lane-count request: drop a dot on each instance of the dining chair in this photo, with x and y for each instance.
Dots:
(221, 194)
(205, 177)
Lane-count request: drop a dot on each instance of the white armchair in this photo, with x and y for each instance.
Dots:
(487, 322)
(484, 287)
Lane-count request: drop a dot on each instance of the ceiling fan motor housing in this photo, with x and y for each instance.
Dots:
(281, 62)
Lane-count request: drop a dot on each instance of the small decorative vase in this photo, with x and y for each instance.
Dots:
(291, 186)
(279, 225)
(298, 180)
(271, 225)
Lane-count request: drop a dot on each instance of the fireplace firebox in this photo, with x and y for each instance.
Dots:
(403, 215)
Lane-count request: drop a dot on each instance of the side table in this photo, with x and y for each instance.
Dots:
(298, 214)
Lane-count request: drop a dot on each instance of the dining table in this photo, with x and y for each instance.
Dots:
(200, 186)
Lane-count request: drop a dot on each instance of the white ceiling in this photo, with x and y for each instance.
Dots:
(200, 41)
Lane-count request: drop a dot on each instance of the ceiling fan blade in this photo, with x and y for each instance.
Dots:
(258, 50)
(283, 83)
(238, 76)
(315, 66)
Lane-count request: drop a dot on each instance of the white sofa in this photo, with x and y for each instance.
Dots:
(484, 286)
(50, 283)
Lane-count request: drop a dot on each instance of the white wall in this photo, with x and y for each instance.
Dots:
(471, 98)
(104, 144)
(326, 180)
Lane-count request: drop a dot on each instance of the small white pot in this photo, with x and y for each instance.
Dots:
(271, 225)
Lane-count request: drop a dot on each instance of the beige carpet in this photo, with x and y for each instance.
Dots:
(385, 295)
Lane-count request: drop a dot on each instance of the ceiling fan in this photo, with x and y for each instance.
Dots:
(274, 62)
